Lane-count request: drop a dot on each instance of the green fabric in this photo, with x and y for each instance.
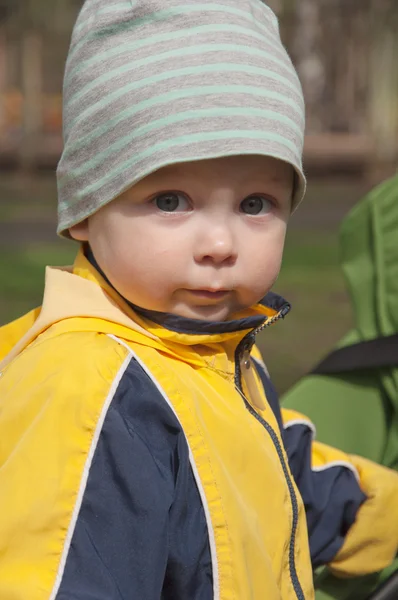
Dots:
(331, 588)
(358, 412)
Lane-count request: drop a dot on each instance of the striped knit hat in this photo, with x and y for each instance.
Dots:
(150, 83)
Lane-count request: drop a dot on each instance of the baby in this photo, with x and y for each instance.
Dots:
(143, 453)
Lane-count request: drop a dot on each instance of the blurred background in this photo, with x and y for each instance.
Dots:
(346, 53)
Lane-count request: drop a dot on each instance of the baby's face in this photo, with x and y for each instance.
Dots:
(202, 240)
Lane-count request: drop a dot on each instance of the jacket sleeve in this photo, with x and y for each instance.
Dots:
(351, 503)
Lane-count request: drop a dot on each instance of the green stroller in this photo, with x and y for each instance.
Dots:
(352, 395)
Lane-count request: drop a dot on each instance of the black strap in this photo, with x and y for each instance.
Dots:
(388, 590)
(374, 354)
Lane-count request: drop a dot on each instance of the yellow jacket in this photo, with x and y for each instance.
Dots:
(137, 461)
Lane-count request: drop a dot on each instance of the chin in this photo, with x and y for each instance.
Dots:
(206, 313)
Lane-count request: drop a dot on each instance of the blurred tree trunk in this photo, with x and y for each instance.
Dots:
(3, 78)
(32, 89)
(384, 81)
(308, 58)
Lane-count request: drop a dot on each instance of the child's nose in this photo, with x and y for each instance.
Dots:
(216, 244)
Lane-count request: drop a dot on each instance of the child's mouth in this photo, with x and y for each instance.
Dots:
(209, 294)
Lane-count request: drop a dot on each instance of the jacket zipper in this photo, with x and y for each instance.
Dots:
(244, 347)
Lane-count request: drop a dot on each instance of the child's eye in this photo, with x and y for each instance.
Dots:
(256, 205)
(171, 202)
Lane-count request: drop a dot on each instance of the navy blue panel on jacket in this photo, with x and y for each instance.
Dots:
(141, 531)
(332, 496)
(270, 393)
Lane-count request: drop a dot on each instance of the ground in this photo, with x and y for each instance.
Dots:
(310, 279)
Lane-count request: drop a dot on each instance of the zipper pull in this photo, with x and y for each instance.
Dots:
(250, 382)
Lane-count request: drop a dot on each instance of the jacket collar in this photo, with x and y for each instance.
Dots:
(270, 306)
(78, 298)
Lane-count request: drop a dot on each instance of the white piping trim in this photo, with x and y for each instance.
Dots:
(338, 463)
(330, 465)
(84, 479)
(311, 426)
(212, 541)
(294, 422)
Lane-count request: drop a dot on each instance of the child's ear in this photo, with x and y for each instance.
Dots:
(79, 231)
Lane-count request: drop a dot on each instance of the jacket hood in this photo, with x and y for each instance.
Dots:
(369, 252)
(79, 299)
